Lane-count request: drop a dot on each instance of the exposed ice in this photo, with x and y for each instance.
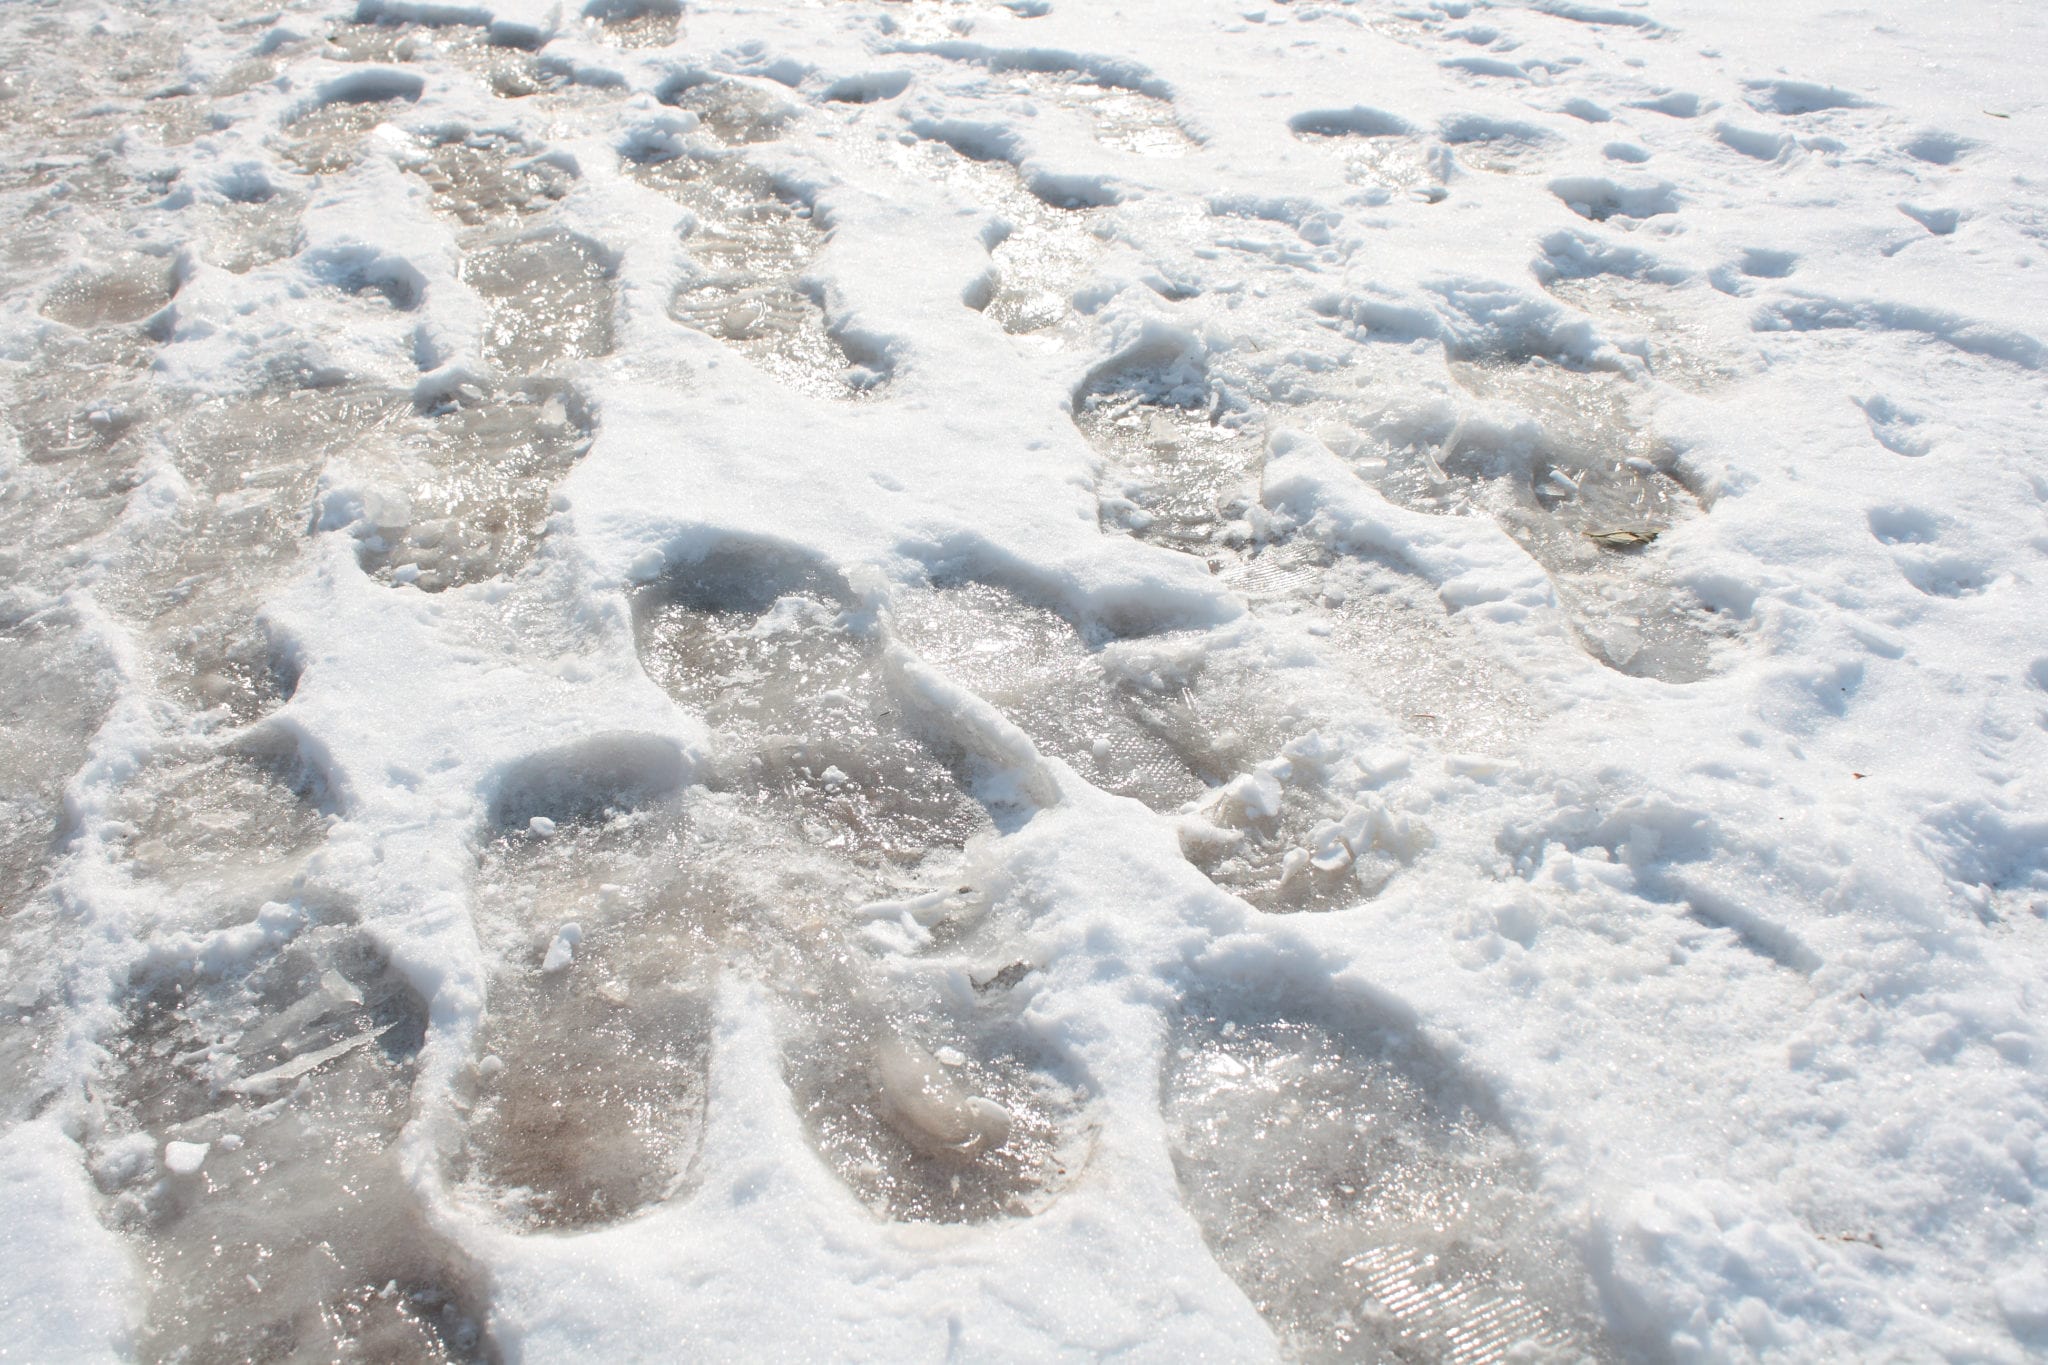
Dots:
(1042, 672)
(748, 249)
(993, 1134)
(591, 1105)
(771, 650)
(301, 1231)
(53, 695)
(1353, 1185)
(550, 301)
(471, 484)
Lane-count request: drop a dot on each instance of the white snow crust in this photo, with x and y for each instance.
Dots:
(926, 679)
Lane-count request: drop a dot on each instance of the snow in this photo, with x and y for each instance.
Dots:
(910, 678)
(562, 950)
(185, 1158)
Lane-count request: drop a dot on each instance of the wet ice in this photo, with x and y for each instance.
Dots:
(590, 1083)
(1354, 1186)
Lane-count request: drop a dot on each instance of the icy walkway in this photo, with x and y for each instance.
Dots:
(922, 679)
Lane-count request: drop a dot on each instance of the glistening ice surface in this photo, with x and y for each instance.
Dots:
(983, 680)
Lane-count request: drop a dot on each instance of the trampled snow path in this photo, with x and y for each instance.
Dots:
(932, 679)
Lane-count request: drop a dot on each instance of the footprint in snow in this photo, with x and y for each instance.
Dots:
(749, 242)
(1359, 1192)
(611, 893)
(252, 1100)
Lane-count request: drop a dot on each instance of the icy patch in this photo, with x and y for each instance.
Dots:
(1040, 253)
(997, 144)
(54, 690)
(1381, 152)
(369, 40)
(325, 136)
(77, 405)
(488, 179)
(1303, 830)
(126, 290)
(750, 243)
(252, 463)
(254, 227)
(1057, 685)
(1391, 635)
(230, 827)
(590, 1086)
(931, 1116)
(637, 23)
(737, 112)
(1123, 117)
(766, 646)
(465, 492)
(287, 1052)
(550, 300)
(1351, 1184)
(1173, 473)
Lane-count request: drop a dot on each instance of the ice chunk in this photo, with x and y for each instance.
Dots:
(930, 1110)
(562, 951)
(185, 1158)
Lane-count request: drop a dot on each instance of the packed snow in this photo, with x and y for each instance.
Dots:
(1023, 679)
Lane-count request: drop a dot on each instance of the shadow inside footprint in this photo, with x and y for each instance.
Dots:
(1353, 1186)
(1503, 146)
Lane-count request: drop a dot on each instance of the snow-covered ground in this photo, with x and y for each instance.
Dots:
(924, 679)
